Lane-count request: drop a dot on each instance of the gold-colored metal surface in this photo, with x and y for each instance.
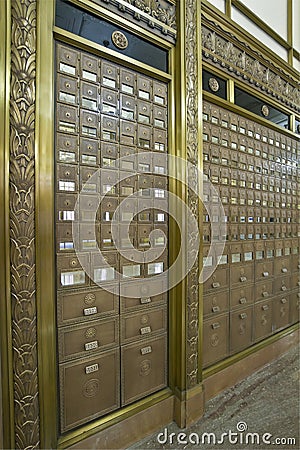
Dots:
(7, 388)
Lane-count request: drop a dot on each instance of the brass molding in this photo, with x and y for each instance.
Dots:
(112, 55)
(230, 90)
(22, 222)
(236, 58)
(44, 223)
(6, 363)
(249, 351)
(159, 16)
(94, 427)
(228, 8)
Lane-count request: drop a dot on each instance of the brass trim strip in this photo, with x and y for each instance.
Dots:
(94, 427)
(290, 30)
(228, 8)
(45, 255)
(6, 365)
(97, 49)
(230, 90)
(249, 351)
(125, 23)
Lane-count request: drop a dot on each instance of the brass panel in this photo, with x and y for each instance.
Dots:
(215, 303)
(241, 297)
(143, 368)
(219, 280)
(215, 339)
(240, 329)
(262, 319)
(264, 290)
(281, 285)
(89, 388)
(144, 324)
(264, 270)
(281, 312)
(241, 274)
(294, 307)
(87, 304)
(79, 340)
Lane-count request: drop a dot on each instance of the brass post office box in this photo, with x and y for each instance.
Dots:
(108, 98)
(224, 117)
(214, 174)
(87, 236)
(143, 235)
(109, 182)
(108, 207)
(89, 91)
(67, 118)
(250, 198)
(89, 125)
(109, 155)
(241, 297)
(160, 93)
(160, 163)
(89, 67)
(240, 275)
(83, 305)
(127, 235)
(214, 154)
(144, 324)
(109, 128)
(89, 388)
(71, 272)
(263, 290)
(144, 136)
(109, 73)
(67, 89)
(215, 303)
(224, 176)
(281, 285)
(281, 317)
(131, 265)
(262, 320)
(128, 184)
(87, 203)
(64, 237)
(67, 60)
(295, 281)
(236, 253)
(215, 111)
(159, 117)
(242, 161)
(264, 270)
(89, 179)
(143, 368)
(281, 266)
(144, 161)
(67, 148)
(218, 280)
(89, 152)
(128, 159)
(215, 339)
(65, 206)
(128, 81)
(105, 267)
(240, 329)
(144, 86)
(79, 340)
(139, 296)
(250, 180)
(294, 307)
(157, 265)
(127, 132)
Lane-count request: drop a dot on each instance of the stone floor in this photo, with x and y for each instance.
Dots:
(266, 403)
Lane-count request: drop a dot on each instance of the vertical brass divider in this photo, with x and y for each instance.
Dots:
(228, 8)
(6, 364)
(186, 368)
(45, 257)
(230, 90)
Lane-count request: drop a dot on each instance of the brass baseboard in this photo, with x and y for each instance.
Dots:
(229, 376)
(130, 430)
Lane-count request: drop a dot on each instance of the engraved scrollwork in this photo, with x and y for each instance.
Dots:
(22, 218)
(192, 198)
(223, 48)
(159, 15)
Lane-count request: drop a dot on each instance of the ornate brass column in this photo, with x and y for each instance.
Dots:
(188, 93)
